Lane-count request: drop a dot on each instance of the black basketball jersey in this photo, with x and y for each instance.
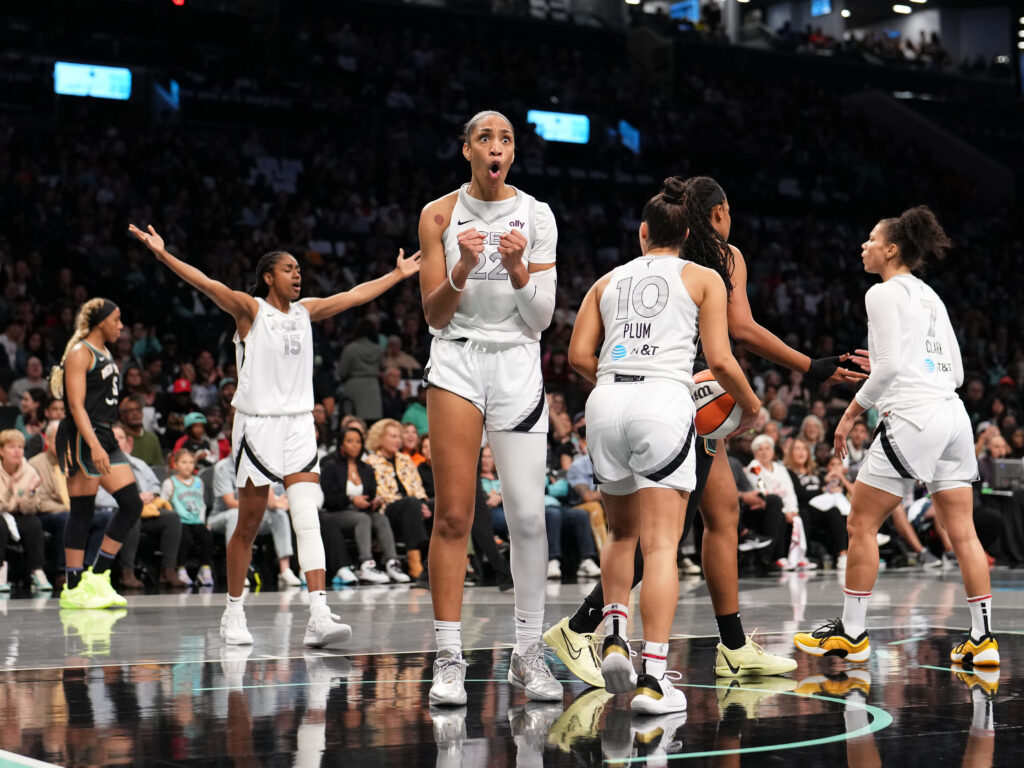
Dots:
(102, 387)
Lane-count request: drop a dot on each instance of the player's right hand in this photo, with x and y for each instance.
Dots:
(150, 239)
(471, 245)
(101, 460)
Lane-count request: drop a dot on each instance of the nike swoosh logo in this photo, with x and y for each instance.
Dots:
(464, 222)
(572, 650)
(728, 663)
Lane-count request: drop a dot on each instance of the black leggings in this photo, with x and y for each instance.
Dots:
(31, 532)
(196, 537)
(827, 527)
(769, 521)
(406, 518)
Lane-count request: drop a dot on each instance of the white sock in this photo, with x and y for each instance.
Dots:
(529, 625)
(318, 601)
(655, 659)
(981, 615)
(616, 616)
(448, 635)
(855, 612)
(235, 603)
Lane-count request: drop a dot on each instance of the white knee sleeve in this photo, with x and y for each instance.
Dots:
(520, 458)
(304, 499)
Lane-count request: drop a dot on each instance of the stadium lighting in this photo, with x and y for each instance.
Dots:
(1020, 33)
(632, 2)
(845, 13)
(901, 8)
(1021, 46)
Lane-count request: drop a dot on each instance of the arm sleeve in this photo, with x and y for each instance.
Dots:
(536, 300)
(884, 319)
(545, 236)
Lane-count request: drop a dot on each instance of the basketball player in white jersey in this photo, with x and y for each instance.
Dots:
(488, 287)
(924, 434)
(644, 317)
(273, 438)
(707, 244)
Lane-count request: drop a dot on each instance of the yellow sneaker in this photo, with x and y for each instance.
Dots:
(100, 585)
(838, 686)
(748, 693)
(985, 680)
(577, 651)
(581, 720)
(830, 639)
(82, 597)
(93, 627)
(981, 653)
(750, 659)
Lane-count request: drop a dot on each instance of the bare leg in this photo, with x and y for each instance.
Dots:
(457, 428)
(870, 508)
(720, 508)
(623, 515)
(955, 510)
(661, 525)
(252, 504)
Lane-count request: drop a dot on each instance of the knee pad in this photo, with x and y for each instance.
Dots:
(304, 500)
(129, 510)
(76, 532)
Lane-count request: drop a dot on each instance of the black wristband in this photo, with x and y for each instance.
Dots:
(822, 368)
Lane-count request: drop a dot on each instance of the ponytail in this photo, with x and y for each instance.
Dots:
(84, 323)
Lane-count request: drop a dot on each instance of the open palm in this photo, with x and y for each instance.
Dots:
(407, 265)
(151, 239)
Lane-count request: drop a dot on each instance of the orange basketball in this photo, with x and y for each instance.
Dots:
(718, 414)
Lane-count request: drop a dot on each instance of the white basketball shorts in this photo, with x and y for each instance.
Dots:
(941, 455)
(502, 380)
(266, 449)
(642, 435)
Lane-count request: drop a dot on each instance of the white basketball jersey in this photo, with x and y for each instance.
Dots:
(275, 363)
(487, 308)
(921, 343)
(650, 321)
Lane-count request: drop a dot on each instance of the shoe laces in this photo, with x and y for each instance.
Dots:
(450, 669)
(827, 630)
(757, 648)
(534, 661)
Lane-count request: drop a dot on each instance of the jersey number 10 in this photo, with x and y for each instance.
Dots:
(638, 296)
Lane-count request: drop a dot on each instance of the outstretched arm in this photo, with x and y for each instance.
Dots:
(319, 309)
(748, 333)
(240, 306)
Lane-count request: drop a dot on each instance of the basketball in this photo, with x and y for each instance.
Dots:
(717, 413)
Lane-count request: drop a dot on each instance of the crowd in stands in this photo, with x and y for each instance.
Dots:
(806, 180)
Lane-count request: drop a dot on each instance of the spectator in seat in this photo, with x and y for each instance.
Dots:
(145, 444)
(29, 405)
(823, 522)
(572, 521)
(426, 469)
(184, 490)
(33, 379)
(226, 393)
(772, 479)
(393, 392)
(205, 388)
(857, 444)
(159, 521)
(359, 371)
(217, 432)
(173, 408)
(581, 480)
(411, 443)
(394, 357)
(399, 490)
(351, 507)
(416, 412)
(11, 342)
(812, 430)
(204, 450)
(19, 482)
(53, 411)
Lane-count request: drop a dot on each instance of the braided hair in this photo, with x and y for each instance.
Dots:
(705, 245)
(918, 235)
(83, 324)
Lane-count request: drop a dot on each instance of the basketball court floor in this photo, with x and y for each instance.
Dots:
(152, 685)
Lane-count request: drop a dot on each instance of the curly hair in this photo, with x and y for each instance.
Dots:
(376, 433)
(918, 235)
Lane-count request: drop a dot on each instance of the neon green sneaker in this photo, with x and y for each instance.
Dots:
(99, 584)
(82, 597)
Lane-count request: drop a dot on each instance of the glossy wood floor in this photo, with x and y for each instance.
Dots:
(152, 685)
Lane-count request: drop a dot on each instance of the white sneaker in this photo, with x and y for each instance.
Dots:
(395, 572)
(785, 565)
(346, 575)
(205, 576)
(40, 582)
(368, 572)
(689, 568)
(287, 578)
(588, 569)
(5, 586)
(658, 697)
(325, 629)
(449, 684)
(554, 569)
(883, 539)
(233, 630)
(183, 575)
(841, 563)
(531, 673)
(806, 565)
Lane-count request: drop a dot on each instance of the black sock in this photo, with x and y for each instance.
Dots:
(730, 629)
(587, 618)
(104, 562)
(74, 575)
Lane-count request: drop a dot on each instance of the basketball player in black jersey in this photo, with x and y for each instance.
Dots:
(88, 380)
(708, 245)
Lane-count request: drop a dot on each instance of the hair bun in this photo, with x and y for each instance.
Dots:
(673, 189)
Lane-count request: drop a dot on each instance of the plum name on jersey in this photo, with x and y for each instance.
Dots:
(636, 331)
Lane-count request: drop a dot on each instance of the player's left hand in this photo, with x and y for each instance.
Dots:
(842, 431)
(860, 357)
(407, 266)
(511, 247)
